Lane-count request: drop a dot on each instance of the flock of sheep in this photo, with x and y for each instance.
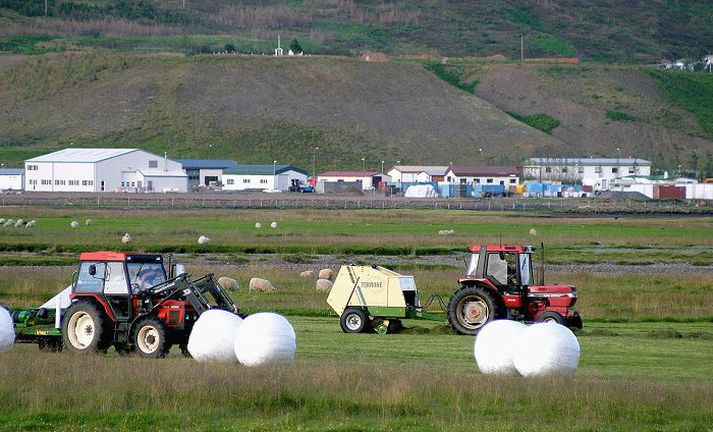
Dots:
(324, 282)
(17, 223)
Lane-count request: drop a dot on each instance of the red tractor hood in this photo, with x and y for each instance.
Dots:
(552, 291)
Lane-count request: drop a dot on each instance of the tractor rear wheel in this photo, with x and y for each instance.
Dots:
(149, 338)
(551, 317)
(86, 329)
(470, 308)
(354, 320)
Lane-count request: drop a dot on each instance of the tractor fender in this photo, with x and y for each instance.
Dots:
(485, 285)
(95, 298)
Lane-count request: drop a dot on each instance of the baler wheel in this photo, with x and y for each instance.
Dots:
(354, 320)
(149, 338)
(85, 329)
(470, 308)
(551, 317)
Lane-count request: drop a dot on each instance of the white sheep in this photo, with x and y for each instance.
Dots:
(307, 274)
(2, 221)
(88, 222)
(203, 240)
(228, 283)
(533, 232)
(126, 239)
(326, 274)
(261, 285)
(273, 225)
(74, 224)
(324, 285)
(8, 224)
(30, 224)
(19, 223)
(258, 225)
(446, 232)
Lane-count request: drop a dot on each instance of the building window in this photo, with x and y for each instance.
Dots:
(87, 182)
(580, 170)
(489, 180)
(632, 170)
(133, 184)
(153, 164)
(31, 167)
(513, 181)
(564, 170)
(502, 182)
(74, 182)
(33, 182)
(230, 181)
(477, 181)
(246, 180)
(46, 182)
(548, 169)
(449, 179)
(462, 181)
(615, 170)
(598, 170)
(263, 181)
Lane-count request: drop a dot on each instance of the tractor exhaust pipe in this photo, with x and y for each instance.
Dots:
(542, 264)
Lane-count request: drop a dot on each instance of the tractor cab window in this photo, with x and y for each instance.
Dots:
(115, 279)
(502, 268)
(145, 275)
(91, 283)
(525, 266)
(473, 264)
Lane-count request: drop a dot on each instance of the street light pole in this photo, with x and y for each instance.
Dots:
(382, 167)
(363, 164)
(481, 156)
(274, 173)
(314, 162)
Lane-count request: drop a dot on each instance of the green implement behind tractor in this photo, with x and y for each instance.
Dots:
(375, 298)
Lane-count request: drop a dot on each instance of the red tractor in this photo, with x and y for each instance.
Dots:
(127, 300)
(499, 284)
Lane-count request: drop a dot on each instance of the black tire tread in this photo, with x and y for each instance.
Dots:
(491, 301)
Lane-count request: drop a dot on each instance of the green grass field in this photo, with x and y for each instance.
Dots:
(646, 343)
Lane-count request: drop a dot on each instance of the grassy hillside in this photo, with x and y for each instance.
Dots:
(609, 30)
(259, 109)
(254, 110)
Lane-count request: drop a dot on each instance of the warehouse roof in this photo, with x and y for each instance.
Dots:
(207, 163)
(481, 171)
(587, 161)
(12, 171)
(350, 174)
(262, 169)
(81, 155)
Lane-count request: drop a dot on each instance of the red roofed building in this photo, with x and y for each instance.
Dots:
(495, 175)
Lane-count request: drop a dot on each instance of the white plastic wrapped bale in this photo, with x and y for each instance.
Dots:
(420, 191)
(546, 348)
(203, 240)
(265, 338)
(7, 331)
(258, 225)
(74, 224)
(273, 225)
(212, 338)
(495, 346)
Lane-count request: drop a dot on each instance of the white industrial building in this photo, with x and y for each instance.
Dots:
(268, 178)
(595, 172)
(417, 173)
(369, 180)
(205, 172)
(485, 175)
(104, 170)
(12, 179)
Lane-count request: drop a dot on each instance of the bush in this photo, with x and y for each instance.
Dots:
(542, 122)
(620, 116)
(451, 77)
(230, 48)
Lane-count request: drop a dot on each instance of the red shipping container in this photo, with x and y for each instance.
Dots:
(670, 192)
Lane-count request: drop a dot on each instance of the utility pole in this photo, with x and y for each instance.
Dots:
(522, 47)
(45, 7)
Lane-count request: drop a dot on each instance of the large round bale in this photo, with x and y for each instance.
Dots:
(324, 285)
(265, 338)
(126, 238)
(326, 274)
(213, 336)
(7, 331)
(74, 224)
(261, 285)
(228, 283)
(495, 344)
(546, 348)
(203, 240)
(307, 274)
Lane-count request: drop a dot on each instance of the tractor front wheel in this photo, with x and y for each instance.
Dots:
(551, 317)
(354, 320)
(85, 329)
(470, 308)
(150, 338)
